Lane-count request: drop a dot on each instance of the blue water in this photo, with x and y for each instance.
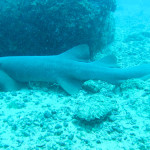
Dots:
(101, 116)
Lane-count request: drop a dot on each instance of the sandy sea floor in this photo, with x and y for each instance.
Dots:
(100, 117)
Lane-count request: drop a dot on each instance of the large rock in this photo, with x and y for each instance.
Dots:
(43, 27)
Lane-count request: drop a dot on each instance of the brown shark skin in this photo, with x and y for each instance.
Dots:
(67, 70)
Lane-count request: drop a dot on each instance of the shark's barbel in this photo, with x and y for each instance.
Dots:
(69, 69)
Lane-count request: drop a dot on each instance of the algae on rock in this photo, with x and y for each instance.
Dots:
(47, 27)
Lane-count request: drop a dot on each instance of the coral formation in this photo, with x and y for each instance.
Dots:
(44, 27)
(96, 109)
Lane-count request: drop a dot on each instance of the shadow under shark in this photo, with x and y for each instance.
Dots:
(69, 69)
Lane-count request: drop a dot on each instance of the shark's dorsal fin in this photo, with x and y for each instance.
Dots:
(109, 61)
(79, 53)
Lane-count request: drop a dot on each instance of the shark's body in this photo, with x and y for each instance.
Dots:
(69, 69)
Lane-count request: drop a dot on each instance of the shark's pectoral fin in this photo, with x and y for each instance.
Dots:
(71, 86)
(7, 83)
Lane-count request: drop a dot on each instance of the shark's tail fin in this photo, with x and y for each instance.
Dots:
(141, 71)
(117, 74)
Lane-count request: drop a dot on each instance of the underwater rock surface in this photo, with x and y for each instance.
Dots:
(47, 27)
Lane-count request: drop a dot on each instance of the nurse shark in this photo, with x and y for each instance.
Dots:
(69, 69)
